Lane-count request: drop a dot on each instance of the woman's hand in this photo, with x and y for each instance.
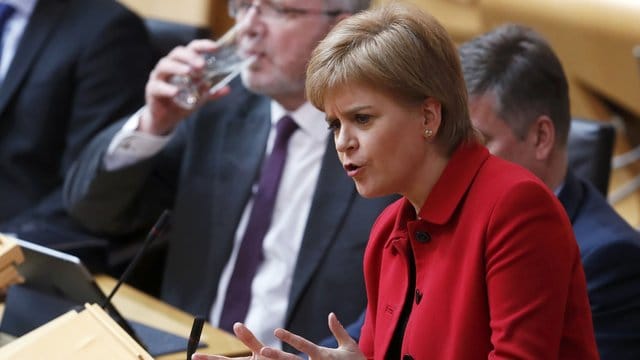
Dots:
(246, 336)
(347, 347)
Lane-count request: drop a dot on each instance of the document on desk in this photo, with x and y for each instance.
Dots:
(88, 334)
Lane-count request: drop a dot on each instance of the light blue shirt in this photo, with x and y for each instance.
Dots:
(13, 30)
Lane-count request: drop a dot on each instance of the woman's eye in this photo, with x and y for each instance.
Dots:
(333, 125)
(362, 118)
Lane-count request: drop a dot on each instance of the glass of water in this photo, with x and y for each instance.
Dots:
(221, 66)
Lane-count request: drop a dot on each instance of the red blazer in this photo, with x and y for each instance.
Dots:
(498, 272)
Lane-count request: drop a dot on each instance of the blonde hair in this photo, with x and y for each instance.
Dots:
(401, 50)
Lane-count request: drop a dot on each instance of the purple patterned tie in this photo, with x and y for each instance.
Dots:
(6, 11)
(250, 254)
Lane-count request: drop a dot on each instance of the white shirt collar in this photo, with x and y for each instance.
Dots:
(558, 189)
(309, 119)
(24, 7)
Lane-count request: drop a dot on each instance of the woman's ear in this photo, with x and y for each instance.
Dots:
(432, 113)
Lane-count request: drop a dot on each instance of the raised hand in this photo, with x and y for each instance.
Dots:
(246, 336)
(347, 347)
(161, 115)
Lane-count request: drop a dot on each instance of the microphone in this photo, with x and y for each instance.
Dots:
(194, 336)
(158, 228)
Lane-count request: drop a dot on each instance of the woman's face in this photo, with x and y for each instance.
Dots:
(379, 139)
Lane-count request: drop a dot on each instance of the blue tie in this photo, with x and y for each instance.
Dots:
(250, 254)
(6, 11)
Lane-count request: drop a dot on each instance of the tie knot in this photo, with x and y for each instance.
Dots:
(285, 127)
(6, 11)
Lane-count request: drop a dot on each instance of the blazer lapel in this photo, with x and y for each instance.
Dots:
(241, 161)
(44, 17)
(333, 195)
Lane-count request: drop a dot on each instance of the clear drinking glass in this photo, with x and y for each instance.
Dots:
(221, 66)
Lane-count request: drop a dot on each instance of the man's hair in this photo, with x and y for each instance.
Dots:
(518, 66)
(402, 51)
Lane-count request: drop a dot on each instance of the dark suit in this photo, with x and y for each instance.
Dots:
(610, 251)
(79, 66)
(205, 174)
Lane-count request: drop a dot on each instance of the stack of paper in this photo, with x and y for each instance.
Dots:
(10, 256)
(88, 334)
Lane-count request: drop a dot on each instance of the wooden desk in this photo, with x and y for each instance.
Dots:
(138, 306)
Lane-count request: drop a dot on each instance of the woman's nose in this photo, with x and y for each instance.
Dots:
(344, 141)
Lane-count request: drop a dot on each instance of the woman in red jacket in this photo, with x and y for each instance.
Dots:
(477, 259)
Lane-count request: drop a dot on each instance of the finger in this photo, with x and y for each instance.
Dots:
(186, 55)
(246, 336)
(198, 356)
(203, 45)
(167, 67)
(277, 354)
(161, 89)
(339, 332)
(180, 61)
(298, 342)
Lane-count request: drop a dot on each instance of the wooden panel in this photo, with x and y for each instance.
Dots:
(219, 15)
(192, 12)
(460, 17)
(205, 13)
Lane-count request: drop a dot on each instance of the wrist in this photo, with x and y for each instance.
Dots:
(148, 125)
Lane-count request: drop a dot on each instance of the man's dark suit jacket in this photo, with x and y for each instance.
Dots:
(610, 251)
(80, 66)
(205, 174)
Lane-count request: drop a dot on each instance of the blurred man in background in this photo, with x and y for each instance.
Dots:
(68, 68)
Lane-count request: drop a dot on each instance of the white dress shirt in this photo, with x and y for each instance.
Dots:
(130, 146)
(272, 283)
(13, 30)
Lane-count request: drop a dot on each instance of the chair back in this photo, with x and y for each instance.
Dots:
(590, 149)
